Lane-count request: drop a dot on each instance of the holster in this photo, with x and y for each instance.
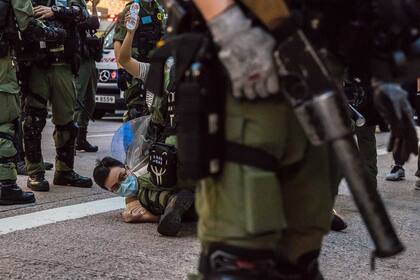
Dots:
(94, 45)
(163, 165)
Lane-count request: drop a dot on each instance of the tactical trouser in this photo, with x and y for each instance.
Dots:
(135, 99)
(86, 84)
(366, 142)
(287, 212)
(10, 109)
(54, 84)
(151, 197)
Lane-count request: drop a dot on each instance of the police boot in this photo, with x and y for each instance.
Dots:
(48, 165)
(82, 144)
(11, 194)
(338, 223)
(38, 183)
(222, 262)
(171, 220)
(72, 179)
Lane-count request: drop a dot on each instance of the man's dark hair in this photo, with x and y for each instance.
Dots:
(102, 168)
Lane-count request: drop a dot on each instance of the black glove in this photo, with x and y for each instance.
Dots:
(123, 78)
(392, 103)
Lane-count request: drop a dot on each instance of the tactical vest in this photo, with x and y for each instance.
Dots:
(148, 33)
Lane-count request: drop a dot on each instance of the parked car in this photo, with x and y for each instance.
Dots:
(109, 99)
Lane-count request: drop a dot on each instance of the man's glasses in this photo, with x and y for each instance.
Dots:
(121, 178)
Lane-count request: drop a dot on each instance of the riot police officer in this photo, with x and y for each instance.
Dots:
(87, 78)
(147, 35)
(266, 215)
(51, 79)
(16, 17)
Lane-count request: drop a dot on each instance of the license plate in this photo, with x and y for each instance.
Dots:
(105, 99)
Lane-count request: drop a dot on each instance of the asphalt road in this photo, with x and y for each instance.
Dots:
(97, 245)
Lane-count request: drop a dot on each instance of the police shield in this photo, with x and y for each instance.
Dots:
(129, 144)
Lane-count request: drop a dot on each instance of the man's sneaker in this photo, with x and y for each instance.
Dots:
(171, 220)
(11, 194)
(72, 179)
(82, 143)
(38, 183)
(397, 174)
(338, 223)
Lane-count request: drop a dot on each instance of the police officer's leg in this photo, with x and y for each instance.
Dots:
(10, 193)
(366, 141)
(63, 96)
(170, 205)
(34, 122)
(244, 213)
(86, 84)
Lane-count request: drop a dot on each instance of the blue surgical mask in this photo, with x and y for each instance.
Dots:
(128, 187)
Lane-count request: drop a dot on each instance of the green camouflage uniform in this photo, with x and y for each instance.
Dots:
(52, 83)
(9, 97)
(287, 212)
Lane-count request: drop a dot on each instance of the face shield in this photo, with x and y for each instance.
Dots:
(129, 145)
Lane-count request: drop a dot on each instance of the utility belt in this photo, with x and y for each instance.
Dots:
(53, 56)
(59, 56)
(163, 165)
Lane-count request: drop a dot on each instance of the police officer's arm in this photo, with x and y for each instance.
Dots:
(74, 13)
(212, 8)
(31, 28)
(256, 75)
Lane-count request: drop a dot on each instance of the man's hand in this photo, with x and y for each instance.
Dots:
(392, 103)
(43, 12)
(247, 54)
(128, 18)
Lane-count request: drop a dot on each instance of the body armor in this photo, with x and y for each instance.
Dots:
(148, 33)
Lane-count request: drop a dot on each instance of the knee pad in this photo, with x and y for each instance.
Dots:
(34, 123)
(65, 153)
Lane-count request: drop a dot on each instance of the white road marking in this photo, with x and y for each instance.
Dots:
(50, 216)
(100, 135)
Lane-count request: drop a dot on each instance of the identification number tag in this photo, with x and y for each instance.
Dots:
(105, 99)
